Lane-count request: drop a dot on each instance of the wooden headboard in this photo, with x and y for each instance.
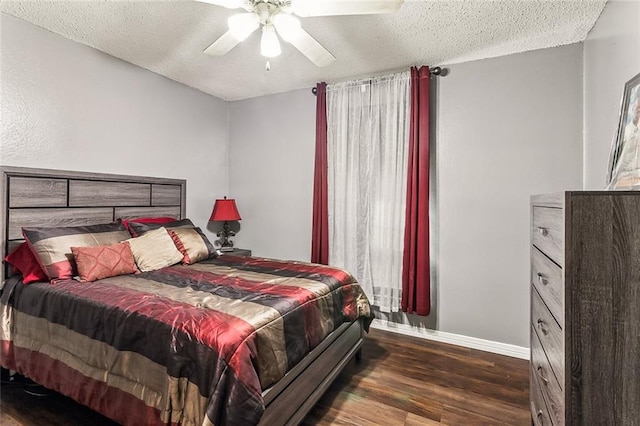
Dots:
(40, 197)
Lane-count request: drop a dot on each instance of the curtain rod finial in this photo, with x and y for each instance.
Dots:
(438, 71)
(314, 91)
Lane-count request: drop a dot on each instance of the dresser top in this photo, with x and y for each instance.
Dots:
(557, 199)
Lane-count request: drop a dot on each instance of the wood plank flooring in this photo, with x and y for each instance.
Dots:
(400, 380)
(403, 380)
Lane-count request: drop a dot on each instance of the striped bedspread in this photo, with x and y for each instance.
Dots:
(191, 345)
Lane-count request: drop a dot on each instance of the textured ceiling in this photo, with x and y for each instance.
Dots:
(168, 37)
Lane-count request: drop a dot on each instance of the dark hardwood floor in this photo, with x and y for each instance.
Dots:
(400, 380)
(404, 380)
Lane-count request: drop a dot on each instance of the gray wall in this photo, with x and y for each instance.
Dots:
(271, 172)
(507, 128)
(611, 58)
(68, 106)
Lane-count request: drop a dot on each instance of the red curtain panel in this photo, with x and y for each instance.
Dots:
(320, 230)
(416, 280)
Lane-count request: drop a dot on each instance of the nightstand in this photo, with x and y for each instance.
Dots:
(238, 252)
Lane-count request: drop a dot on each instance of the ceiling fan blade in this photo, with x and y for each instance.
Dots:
(224, 44)
(229, 4)
(306, 8)
(308, 45)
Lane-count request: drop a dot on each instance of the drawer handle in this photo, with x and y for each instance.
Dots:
(539, 416)
(541, 327)
(542, 230)
(541, 278)
(544, 379)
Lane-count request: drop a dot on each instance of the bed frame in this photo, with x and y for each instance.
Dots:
(40, 197)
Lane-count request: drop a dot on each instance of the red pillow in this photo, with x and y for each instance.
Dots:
(125, 222)
(23, 260)
(99, 262)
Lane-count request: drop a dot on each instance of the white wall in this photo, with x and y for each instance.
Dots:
(611, 58)
(67, 106)
(271, 172)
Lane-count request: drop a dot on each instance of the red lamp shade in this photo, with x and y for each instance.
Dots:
(224, 210)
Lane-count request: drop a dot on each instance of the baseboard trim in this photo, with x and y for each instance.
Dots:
(453, 339)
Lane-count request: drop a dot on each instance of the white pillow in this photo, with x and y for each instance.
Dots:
(154, 250)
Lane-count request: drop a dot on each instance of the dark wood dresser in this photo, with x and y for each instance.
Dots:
(585, 308)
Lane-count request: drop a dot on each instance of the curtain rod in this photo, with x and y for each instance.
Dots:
(437, 71)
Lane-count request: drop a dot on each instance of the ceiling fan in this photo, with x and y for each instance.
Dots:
(276, 17)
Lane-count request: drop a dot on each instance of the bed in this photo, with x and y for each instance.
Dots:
(229, 340)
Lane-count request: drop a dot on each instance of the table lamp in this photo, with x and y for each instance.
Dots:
(223, 211)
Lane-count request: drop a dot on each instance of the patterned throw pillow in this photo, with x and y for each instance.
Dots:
(193, 244)
(23, 261)
(154, 250)
(138, 228)
(99, 262)
(52, 246)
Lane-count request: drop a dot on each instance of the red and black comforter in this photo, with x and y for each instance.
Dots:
(192, 345)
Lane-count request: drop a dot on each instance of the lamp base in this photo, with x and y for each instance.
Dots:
(225, 243)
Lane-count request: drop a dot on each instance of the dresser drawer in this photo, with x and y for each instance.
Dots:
(542, 375)
(550, 335)
(546, 277)
(547, 233)
(539, 413)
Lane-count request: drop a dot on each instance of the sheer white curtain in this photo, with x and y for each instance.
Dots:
(367, 140)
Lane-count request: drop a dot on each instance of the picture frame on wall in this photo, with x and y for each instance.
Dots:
(624, 160)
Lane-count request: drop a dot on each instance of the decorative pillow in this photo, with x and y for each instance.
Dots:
(23, 261)
(193, 244)
(154, 250)
(99, 262)
(159, 220)
(138, 228)
(52, 246)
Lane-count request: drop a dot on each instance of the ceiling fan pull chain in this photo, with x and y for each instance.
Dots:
(267, 67)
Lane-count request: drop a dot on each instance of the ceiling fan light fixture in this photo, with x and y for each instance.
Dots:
(243, 24)
(269, 44)
(288, 26)
(275, 18)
